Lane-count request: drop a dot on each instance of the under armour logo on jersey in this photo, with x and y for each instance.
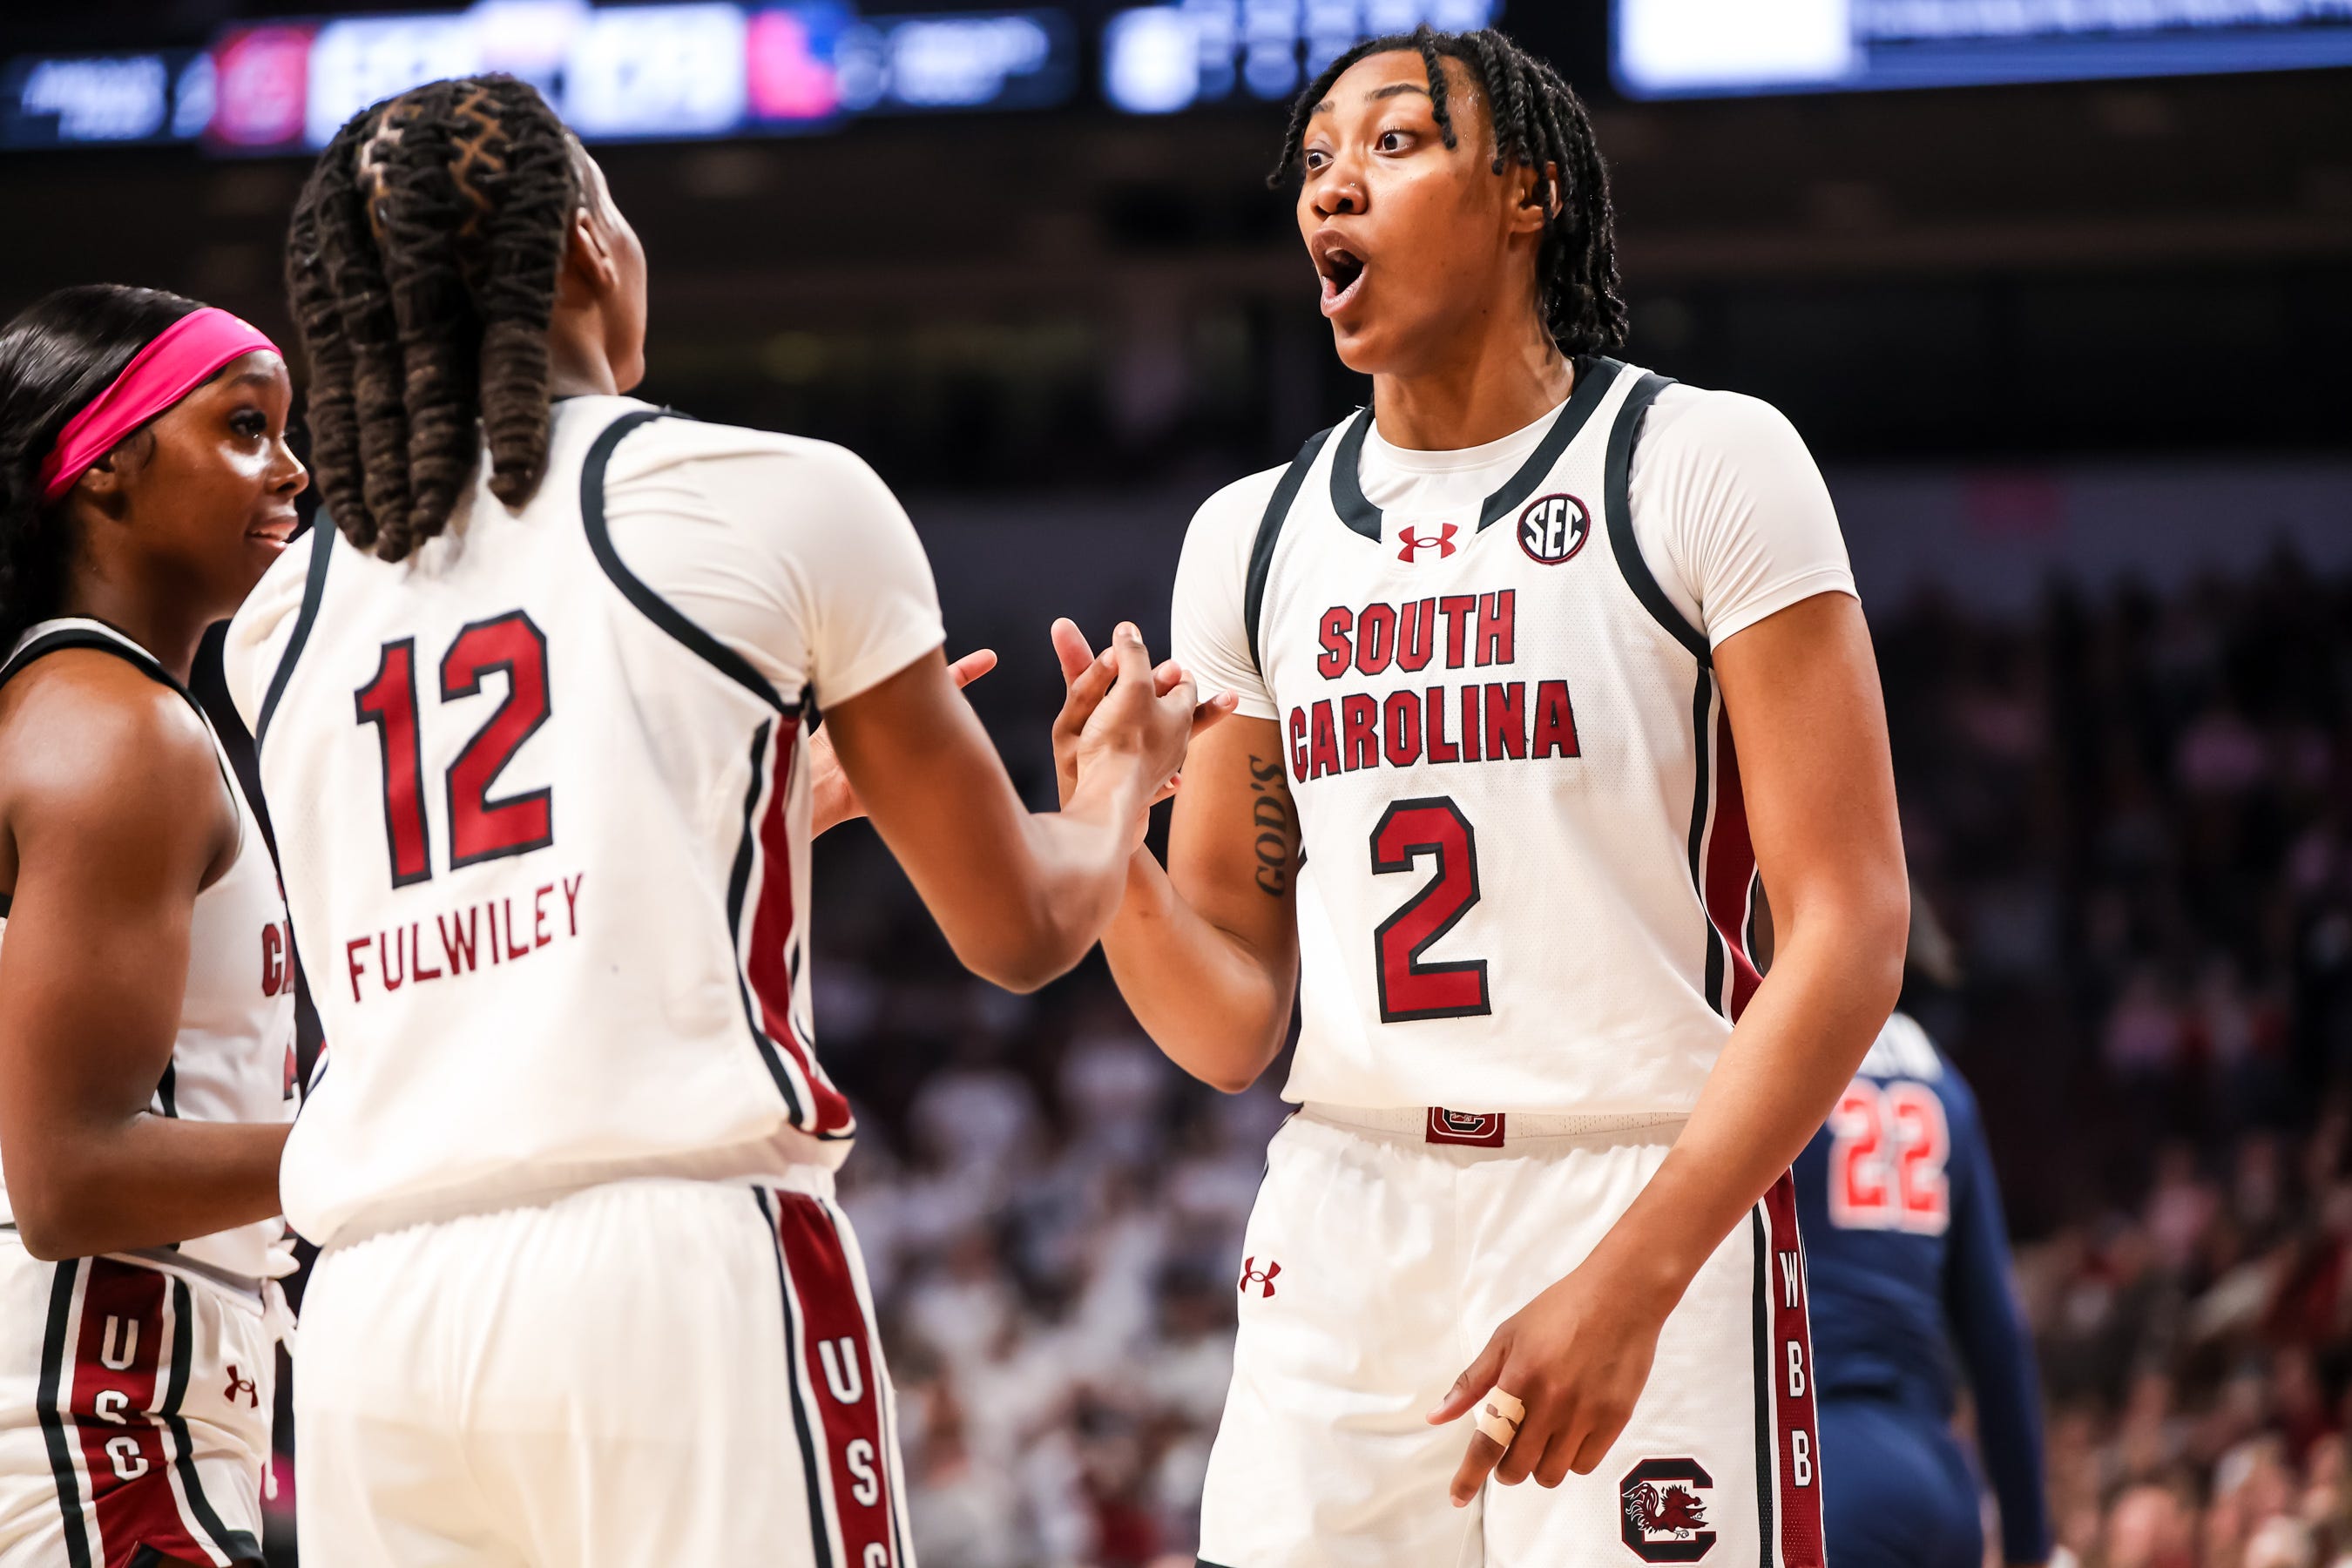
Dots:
(1415, 542)
(1262, 1278)
(241, 1385)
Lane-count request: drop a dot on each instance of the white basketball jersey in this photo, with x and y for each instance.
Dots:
(1528, 874)
(546, 845)
(233, 1059)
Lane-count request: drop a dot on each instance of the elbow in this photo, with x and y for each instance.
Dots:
(1020, 962)
(50, 1224)
(1881, 937)
(1231, 1080)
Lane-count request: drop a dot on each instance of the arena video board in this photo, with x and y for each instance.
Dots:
(698, 68)
(1681, 48)
(617, 72)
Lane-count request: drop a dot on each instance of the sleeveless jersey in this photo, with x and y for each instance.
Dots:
(233, 1059)
(1527, 875)
(545, 841)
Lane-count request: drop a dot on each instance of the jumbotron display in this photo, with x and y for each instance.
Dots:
(1684, 49)
(701, 69)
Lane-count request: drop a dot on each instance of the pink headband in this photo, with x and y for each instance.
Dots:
(181, 359)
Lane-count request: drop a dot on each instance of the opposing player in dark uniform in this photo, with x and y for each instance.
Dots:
(1909, 1260)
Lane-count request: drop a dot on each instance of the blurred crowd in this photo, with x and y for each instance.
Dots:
(2134, 811)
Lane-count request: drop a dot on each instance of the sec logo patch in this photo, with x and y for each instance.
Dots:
(1552, 528)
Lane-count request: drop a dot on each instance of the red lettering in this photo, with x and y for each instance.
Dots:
(1456, 608)
(417, 947)
(1333, 663)
(1298, 744)
(273, 960)
(1400, 721)
(1554, 720)
(351, 961)
(458, 947)
(1494, 628)
(1506, 719)
(1325, 750)
(512, 951)
(1470, 752)
(1375, 639)
(392, 982)
(1359, 744)
(1416, 633)
(572, 885)
(1441, 750)
(539, 915)
(491, 915)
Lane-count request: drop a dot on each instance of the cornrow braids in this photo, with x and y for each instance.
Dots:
(422, 262)
(1539, 123)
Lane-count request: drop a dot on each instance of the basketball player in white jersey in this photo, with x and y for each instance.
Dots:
(533, 721)
(146, 976)
(1497, 640)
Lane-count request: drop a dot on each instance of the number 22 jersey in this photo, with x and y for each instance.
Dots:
(1527, 878)
(541, 802)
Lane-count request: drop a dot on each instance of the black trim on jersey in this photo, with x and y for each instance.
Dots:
(1618, 503)
(1593, 377)
(1766, 1449)
(55, 1355)
(167, 1088)
(1702, 796)
(1269, 529)
(738, 882)
(235, 1544)
(794, 1362)
(655, 608)
(314, 588)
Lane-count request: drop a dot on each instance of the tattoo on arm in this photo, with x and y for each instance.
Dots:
(1277, 833)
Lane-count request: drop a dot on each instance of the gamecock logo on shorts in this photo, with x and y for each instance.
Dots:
(1664, 1516)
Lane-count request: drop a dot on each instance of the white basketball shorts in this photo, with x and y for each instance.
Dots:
(649, 1372)
(135, 1415)
(1378, 1262)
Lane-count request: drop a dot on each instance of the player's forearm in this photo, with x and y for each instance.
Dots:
(146, 1182)
(1061, 891)
(1213, 1006)
(1834, 977)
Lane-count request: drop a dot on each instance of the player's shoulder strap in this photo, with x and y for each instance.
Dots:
(99, 638)
(1617, 502)
(314, 588)
(635, 589)
(1269, 531)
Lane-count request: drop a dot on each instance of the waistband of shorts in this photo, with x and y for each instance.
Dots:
(772, 1163)
(1439, 1124)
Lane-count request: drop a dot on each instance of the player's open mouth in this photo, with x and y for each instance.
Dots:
(1342, 271)
(278, 533)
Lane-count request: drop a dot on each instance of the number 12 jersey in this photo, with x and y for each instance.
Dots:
(541, 803)
(1528, 881)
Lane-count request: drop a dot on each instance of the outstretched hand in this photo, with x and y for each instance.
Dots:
(833, 800)
(1087, 678)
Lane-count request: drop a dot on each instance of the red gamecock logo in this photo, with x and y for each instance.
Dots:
(1261, 1277)
(1414, 542)
(1664, 1516)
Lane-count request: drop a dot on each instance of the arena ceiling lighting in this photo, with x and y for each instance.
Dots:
(1680, 48)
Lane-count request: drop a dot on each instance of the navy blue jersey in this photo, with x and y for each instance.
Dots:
(1907, 1257)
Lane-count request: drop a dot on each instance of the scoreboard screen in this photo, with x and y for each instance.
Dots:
(1681, 48)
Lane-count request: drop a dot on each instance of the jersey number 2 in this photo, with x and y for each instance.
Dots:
(1409, 989)
(481, 828)
(1888, 1160)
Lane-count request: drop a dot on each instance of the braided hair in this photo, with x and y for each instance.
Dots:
(1540, 124)
(55, 358)
(422, 263)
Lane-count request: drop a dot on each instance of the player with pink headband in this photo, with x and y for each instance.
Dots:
(146, 970)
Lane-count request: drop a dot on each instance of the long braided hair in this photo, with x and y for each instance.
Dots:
(422, 263)
(1538, 122)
